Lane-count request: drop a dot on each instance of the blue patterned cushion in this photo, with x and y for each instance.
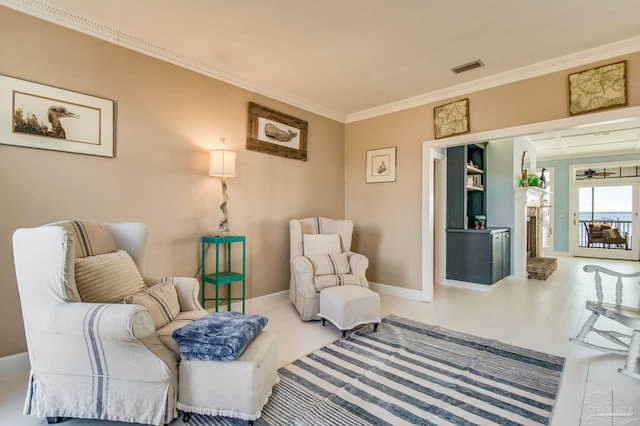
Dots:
(221, 336)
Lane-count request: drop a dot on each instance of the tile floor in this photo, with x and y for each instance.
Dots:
(540, 315)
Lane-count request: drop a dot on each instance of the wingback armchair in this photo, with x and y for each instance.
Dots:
(91, 355)
(321, 257)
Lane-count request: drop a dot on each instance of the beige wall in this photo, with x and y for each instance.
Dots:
(390, 213)
(167, 118)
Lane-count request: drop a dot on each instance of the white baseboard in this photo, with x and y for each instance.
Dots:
(470, 286)
(391, 290)
(256, 303)
(12, 364)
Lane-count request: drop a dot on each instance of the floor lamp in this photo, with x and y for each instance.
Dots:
(222, 164)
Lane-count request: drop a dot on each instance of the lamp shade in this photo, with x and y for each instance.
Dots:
(222, 163)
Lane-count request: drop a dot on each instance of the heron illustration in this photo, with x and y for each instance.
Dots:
(55, 113)
(28, 123)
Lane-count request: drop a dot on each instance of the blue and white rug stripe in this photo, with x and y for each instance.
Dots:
(411, 373)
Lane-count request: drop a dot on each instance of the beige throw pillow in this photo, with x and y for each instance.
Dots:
(330, 264)
(161, 300)
(315, 244)
(107, 278)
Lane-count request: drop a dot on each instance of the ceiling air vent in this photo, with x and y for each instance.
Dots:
(467, 67)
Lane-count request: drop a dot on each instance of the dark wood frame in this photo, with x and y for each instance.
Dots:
(254, 144)
(441, 120)
(597, 103)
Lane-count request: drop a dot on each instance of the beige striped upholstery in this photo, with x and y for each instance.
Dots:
(97, 360)
(311, 273)
(107, 278)
(161, 300)
(91, 238)
(330, 264)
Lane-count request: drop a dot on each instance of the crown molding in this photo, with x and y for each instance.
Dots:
(78, 23)
(576, 59)
(47, 12)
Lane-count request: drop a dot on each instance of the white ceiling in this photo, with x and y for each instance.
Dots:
(352, 59)
(618, 137)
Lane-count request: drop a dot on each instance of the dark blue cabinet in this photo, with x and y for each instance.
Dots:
(473, 255)
(478, 255)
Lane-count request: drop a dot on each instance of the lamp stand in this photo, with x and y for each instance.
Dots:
(224, 223)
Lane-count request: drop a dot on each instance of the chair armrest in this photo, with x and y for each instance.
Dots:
(117, 340)
(187, 288)
(302, 271)
(116, 321)
(359, 264)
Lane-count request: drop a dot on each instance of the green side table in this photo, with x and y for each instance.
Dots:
(223, 277)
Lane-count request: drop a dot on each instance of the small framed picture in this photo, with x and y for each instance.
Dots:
(451, 119)
(598, 88)
(381, 165)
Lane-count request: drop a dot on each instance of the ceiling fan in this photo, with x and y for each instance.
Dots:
(590, 173)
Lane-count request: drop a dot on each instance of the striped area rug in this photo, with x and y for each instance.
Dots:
(410, 373)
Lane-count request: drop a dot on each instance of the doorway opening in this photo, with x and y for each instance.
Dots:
(604, 205)
(429, 147)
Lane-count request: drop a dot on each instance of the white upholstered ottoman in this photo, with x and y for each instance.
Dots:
(238, 388)
(348, 306)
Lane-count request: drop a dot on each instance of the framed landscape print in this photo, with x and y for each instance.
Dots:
(276, 133)
(598, 88)
(451, 119)
(381, 165)
(38, 116)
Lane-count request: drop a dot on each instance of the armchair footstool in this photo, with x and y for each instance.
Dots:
(238, 388)
(349, 306)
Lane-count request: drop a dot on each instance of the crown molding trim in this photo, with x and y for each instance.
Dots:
(47, 12)
(78, 23)
(576, 59)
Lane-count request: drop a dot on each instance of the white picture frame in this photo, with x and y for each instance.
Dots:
(35, 115)
(381, 165)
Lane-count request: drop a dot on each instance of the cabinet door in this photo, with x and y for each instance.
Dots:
(476, 199)
(457, 187)
(497, 265)
(469, 256)
(506, 254)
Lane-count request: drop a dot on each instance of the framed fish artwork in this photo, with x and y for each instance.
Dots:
(34, 115)
(273, 132)
(381, 165)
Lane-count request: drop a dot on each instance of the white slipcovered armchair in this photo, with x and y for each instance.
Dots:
(93, 356)
(321, 257)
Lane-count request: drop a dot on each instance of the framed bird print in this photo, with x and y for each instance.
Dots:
(38, 116)
(381, 165)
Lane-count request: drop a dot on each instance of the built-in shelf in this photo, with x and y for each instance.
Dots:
(465, 185)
